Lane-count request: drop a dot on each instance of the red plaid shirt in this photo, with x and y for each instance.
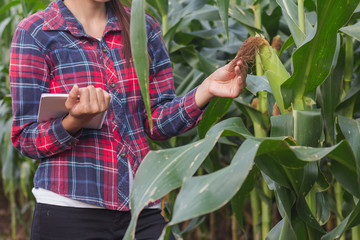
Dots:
(50, 53)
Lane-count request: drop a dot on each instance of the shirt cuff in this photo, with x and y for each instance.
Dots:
(63, 137)
(193, 112)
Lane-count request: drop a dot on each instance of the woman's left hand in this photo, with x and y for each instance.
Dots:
(224, 82)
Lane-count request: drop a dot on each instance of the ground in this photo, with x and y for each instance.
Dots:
(5, 220)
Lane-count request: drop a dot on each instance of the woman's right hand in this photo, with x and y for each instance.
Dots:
(81, 110)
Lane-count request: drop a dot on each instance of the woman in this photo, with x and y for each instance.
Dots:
(82, 184)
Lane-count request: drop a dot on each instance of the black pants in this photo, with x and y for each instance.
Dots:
(67, 223)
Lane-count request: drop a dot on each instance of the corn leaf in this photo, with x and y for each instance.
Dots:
(351, 130)
(204, 194)
(288, 43)
(352, 30)
(210, 188)
(7, 6)
(138, 38)
(238, 201)
(307, 127)
(290, 13)
(255, 84)
(350, 104)
(282, 125)
(344, 225)
(224, 14)
(306, 215)
(252, 113)
(214, 112)
(244, 17)
(175, 165)
(161, 5)
(322, 207)
(165, 170)
(330, 92)
(274, 170)
(313, 60)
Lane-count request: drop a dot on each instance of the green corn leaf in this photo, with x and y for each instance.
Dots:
(165, 170)
(238, 201)
(169, 36)
(161, 5)
(174, 169)
(196, 60)
(308, 127)
(245, 17)
(282, 125)
(8, 6)
(313, 60)
(224, 14)
(24, 7)
(288, 43)
(214, 112)
(4, 24)
(25, 171)
(352, 30)
(196, 191)
(275, 171)
(255, 84)
(306, 215)
(351, 130)
(322, 208)
(255, 115)
(138, 38)
(350, 104)
(204, 194)
(175, 164)
(346, 176)
(310, 174)
(344, 225)
(290, 13)
(330, 92)
(275, 232)
(193, 7)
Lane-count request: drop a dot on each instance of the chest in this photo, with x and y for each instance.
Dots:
(88, 61)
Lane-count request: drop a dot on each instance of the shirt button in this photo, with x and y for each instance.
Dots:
(104, 50)
(122, 154)
(112, 84)
(115, 123)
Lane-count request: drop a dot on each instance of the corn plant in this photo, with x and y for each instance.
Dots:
(16, 170)
(295, 161)
(309, 157)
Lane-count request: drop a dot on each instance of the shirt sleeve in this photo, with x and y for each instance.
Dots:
(29, 78)
(171, 115)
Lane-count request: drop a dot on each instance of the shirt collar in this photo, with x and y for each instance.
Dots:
(59, 18)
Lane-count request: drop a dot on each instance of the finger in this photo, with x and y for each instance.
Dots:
(242, 83)
(101, 99)
(73, 97)
(238, 71)
(239, 63)
(230, 67)
(93, 99)
(106, 99)
(84, 97)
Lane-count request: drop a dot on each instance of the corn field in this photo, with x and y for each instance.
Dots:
(281, 161)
